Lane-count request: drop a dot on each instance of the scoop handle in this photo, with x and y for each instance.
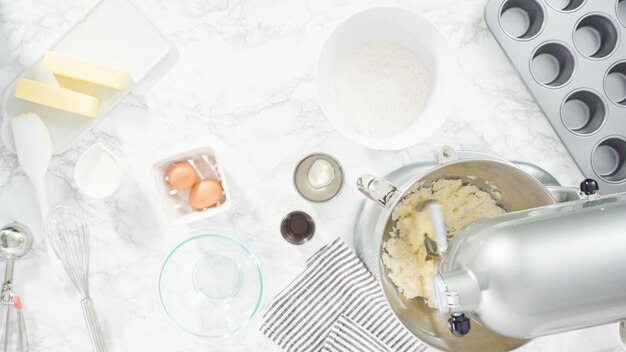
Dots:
(91, 319)
(22, 335)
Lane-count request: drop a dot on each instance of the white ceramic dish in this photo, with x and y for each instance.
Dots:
(113, 33)
(98, 172)
(411, 30)
(175, 202)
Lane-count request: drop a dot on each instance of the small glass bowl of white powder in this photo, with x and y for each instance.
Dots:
(386, 78)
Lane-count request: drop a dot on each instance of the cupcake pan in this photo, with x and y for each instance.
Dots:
(572, 56)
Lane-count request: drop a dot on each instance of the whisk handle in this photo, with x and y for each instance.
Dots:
(91, 319)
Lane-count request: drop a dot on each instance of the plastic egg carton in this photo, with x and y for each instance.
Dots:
(571, 55)
(175, 202)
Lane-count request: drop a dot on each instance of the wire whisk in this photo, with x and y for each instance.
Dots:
(69, 237)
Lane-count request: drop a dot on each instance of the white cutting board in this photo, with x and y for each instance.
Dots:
(113, 33)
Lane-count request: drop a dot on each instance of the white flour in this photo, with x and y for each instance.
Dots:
(380, 88)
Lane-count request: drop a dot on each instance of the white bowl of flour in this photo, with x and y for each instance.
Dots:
(386, 78)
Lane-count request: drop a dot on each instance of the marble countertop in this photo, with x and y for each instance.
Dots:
(241, 80)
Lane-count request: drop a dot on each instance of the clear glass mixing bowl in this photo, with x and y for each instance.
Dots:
(211, 286)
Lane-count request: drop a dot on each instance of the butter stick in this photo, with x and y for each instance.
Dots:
(76, 68)
(56, 97)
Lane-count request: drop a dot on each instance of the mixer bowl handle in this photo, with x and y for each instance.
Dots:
(381, 191)
(447, 154)
(564, 194)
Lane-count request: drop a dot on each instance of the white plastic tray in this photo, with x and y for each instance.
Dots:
(113, 33)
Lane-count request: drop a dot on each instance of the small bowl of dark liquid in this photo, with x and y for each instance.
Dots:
(297, 227)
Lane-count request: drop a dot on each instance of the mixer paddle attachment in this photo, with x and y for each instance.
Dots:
(434, 213)
(458, 324)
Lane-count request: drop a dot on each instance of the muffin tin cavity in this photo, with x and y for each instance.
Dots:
(621, 11)
(566, 5)
(522, 19)
(615, 83)
(583, 112)
(552, 65)
(608, 159)
(571, 54)
(596, 36)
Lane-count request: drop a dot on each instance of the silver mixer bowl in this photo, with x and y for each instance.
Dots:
(518, 190)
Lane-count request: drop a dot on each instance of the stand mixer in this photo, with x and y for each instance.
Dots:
(539, 271)
(531, 197)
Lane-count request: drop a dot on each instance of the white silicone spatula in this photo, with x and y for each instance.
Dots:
(34, 151)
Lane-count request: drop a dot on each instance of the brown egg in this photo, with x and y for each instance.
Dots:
(205, 194)
(181, 176)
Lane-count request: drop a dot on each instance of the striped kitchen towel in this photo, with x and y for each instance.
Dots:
(348, 336)
(335, 305)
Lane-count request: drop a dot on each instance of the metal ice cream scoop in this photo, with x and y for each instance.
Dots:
(15, 241)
